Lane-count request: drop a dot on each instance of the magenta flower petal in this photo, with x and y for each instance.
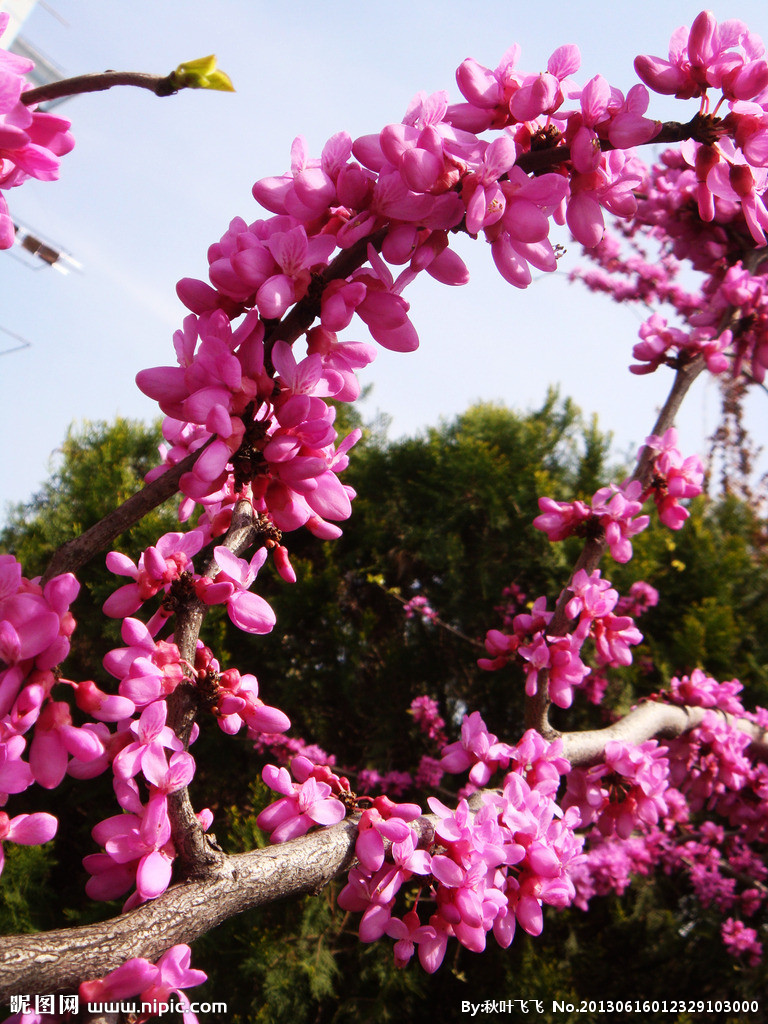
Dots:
(251, 613)
(327, 812)
(153, 875)
(31, 829)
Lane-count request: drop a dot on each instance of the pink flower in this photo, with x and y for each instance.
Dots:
(54, 740)
(709, 54)
(30, 141)
(303, 805)
(740, 940)
(158, 567)
(240, 703)
(409, 933)
(295, 255)
(27, 829)
(477, 750)
(152, 735)
(249, 612)
(152, 982)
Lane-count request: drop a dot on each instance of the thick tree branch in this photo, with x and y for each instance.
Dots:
(653, 720)
(59, 960)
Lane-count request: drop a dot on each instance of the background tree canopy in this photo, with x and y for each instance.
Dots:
(446, 515)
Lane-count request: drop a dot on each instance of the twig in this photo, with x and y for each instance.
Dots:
(160, 85)
(75, 553)
(537, 707)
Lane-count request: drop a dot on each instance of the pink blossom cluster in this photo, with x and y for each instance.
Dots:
(238, 703)
(158, 567)
(35, 627)
(675, 479)
(703, 203)
(625, 792)
(514, 601)
(741, 940)
(371, 780)
(613, 510)
(138, 849)
(306, 802)
(608, 866)
(711, 861)
(732, 291)
(663, 344)
(153, 983)
(489, 868)
(35, 630)
(593, 602)
(557, 656)
(274, 436)
(701, 690)
(427, 716)
(709, 765)
(31, 141)
(419, 605)
(591, 609)
(168, 563)
(641, 597)
(707, 819)
(730, 59)
(477, 751)
(531, 107)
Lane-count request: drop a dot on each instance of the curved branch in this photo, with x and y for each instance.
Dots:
(160, 85)
(654, 720)
(59, 960)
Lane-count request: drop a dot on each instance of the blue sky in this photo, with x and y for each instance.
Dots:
(151, 183)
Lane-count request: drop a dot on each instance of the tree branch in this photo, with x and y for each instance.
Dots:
(669, 131)
(59, 960)
(77, 552)
(160, 85)
(537, 707)
(654, 720)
